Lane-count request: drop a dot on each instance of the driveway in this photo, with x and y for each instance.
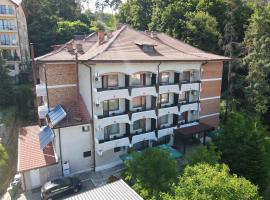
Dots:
(87, 185)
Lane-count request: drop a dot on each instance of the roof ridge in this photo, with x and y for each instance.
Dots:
(109, 43)
(174, 47)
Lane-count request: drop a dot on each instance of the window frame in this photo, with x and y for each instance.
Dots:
(162, 82)
(142, 102)
(167, 120)
(107, 131)
(106, 81)
(107, 109)
(165, 102)
(141, 123)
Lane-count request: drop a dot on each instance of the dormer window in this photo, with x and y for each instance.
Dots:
(147, 47)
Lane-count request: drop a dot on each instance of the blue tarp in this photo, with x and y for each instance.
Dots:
(45, 136)
(56, 115)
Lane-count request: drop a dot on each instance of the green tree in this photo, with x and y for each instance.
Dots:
(67, 29)
(257, 44)
(244, 148)
(202, 31)
(207, 182)
(6, 88)
(202, 154)
(3, 160)
(23, 101)
(151, 172)
(137, 13)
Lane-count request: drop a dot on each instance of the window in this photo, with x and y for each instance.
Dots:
(8, 39)
(7, 24)
(138, 102)
(137, 79)
(85, 128)
(111, 130)
(182, 97)
(117, 149)
(139, 125)
(164, 77)
(148, 48)
(164, 120)
(110, 105)
(185, 76)
(164, 98)
(86, 154)
(110, 81)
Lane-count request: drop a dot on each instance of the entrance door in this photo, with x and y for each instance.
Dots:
(35, 178)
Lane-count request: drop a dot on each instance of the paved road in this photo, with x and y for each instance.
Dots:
(87, 185)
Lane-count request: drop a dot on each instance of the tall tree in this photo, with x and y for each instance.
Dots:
(206, 182)
(257, 44)
(151, 172)
(6, 88)
(243, 147)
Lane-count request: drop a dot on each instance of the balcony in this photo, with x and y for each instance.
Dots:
(103, 121)
(189, 106)
(143, 115)
(166, 131)
(143, 91)
(171, 88)
(189, 123)
(143, 136)
(41, 90)
(105, 145)
(42, 111)
(115, 93)
(188, 86)
(168, 110)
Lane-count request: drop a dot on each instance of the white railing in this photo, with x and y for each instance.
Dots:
(106, 121)
(143, 137)
(189, 86)
(169, 89)
(143, 115)
(111, 94)
(167, 111)
(143, 91)
(165, 131)
(188, 107)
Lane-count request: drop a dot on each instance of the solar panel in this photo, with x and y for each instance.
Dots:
(46, 136)
(56, 115)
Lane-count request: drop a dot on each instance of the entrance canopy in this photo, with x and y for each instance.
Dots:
(192, 130)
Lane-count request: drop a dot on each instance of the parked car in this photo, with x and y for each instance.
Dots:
(60, 187)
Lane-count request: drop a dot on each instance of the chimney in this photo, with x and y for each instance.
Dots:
(101, 36)
(69, 47)
(79, 48)
(153, 34)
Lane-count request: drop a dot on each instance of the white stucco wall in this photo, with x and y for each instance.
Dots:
(73, 143)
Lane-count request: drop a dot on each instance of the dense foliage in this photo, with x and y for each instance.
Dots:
(6, 92)
(206, 182)
(151, 172)
(244, 148)
(203, 154)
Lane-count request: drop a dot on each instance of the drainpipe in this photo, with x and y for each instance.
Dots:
(77, 75)
(157, 103)
(34, 80)
(204, 63)
(92, 113)
(46, 84)
(60, 148)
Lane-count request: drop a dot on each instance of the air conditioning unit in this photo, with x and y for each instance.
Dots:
(97, 103)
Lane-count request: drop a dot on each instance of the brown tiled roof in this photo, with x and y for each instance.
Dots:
(123, 46)
(77, 114)
(30, 156)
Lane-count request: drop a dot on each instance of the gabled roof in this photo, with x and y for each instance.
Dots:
(30, 156)
(123, 46)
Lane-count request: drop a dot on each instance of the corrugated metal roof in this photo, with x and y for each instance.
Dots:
(45, 137)
(117, 190)
(56, 115)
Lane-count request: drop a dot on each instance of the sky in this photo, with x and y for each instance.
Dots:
(91, 5)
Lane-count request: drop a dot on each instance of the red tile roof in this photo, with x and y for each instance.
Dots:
(30, 156)
(122, 46)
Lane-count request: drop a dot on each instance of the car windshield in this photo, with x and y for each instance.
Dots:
(61, 181)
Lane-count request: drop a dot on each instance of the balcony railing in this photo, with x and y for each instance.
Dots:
(112, 115)
(187, 123)
(113, 138)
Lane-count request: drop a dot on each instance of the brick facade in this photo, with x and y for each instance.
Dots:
(212, 121)
(209, 106)
(210, 89)
(63, 96)
(212, 70)
(61, 74)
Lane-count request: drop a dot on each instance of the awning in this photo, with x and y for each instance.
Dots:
(45, 136)
(191, 130)
(56, 115)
